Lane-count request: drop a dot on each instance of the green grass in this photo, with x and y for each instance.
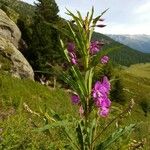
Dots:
(137, 86)
(14, 91)
(18, 124)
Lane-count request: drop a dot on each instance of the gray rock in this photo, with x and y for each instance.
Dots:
(8, 29)
(11, 59)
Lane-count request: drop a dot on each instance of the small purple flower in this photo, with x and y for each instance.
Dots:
(71, 52)
(104, 112)
(75, 99)
(95, 46)
(104, 59)
(73, 58)
(74, 61)
(71, 47)
(105, 102)
(102, 101)
(106, 84)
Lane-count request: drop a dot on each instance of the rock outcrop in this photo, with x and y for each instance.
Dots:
(8, 29)
(11, 59)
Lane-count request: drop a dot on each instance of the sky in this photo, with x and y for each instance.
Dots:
(123, 16)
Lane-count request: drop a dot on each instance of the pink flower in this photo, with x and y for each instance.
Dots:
(75, 99)
(104, 112)
(101, 88)
(100, 95)
(71, 52)
(95, 46)
(104, 59)
(71, 47)
(73, 58)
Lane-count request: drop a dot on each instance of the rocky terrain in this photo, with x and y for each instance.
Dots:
(11, 59)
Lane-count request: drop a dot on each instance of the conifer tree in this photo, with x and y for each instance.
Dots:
(44, 48)
(117, 94)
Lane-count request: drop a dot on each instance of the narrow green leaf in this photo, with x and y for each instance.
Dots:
(91, 16)
(114, 137)
(92, 130)
(97, 18)
(62, 123)
(65, 50)
(80, 137)
(88, 79)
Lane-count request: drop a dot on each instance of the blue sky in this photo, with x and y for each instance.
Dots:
(123, 16)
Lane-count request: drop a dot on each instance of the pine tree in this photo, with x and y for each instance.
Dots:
(48, 10)
(44, 48)
(117, 94)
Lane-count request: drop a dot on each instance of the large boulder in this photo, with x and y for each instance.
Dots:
(11, 59)
(8, 29)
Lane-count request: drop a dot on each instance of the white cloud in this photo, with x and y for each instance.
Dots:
(145, 8)
(114, 28)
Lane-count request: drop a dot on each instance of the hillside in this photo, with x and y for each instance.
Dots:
(35, 116)
(24, 9)
(122, 54)
(17, 121)
(138, 42)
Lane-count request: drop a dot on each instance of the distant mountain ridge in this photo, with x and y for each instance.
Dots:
(140, 42)
(122, 54)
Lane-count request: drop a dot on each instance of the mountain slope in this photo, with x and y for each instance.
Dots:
(138, 42)
(122, 54)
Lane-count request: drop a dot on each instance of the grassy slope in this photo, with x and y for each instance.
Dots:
(137, 85)
(14, 90)
(18, 124)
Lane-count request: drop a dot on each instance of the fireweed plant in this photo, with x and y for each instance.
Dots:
(90, 97)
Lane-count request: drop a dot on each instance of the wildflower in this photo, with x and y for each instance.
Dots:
(104, 59)
(71, 52)
(100, 95)
(71, 47)
(106, 84)
(101, 88)
(104, 112)
(95, 47)
(73, 58)
(75, 99)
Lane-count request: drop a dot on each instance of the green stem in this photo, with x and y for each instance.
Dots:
(118, 116)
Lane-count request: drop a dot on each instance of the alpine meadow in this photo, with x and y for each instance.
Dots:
(66, 86)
